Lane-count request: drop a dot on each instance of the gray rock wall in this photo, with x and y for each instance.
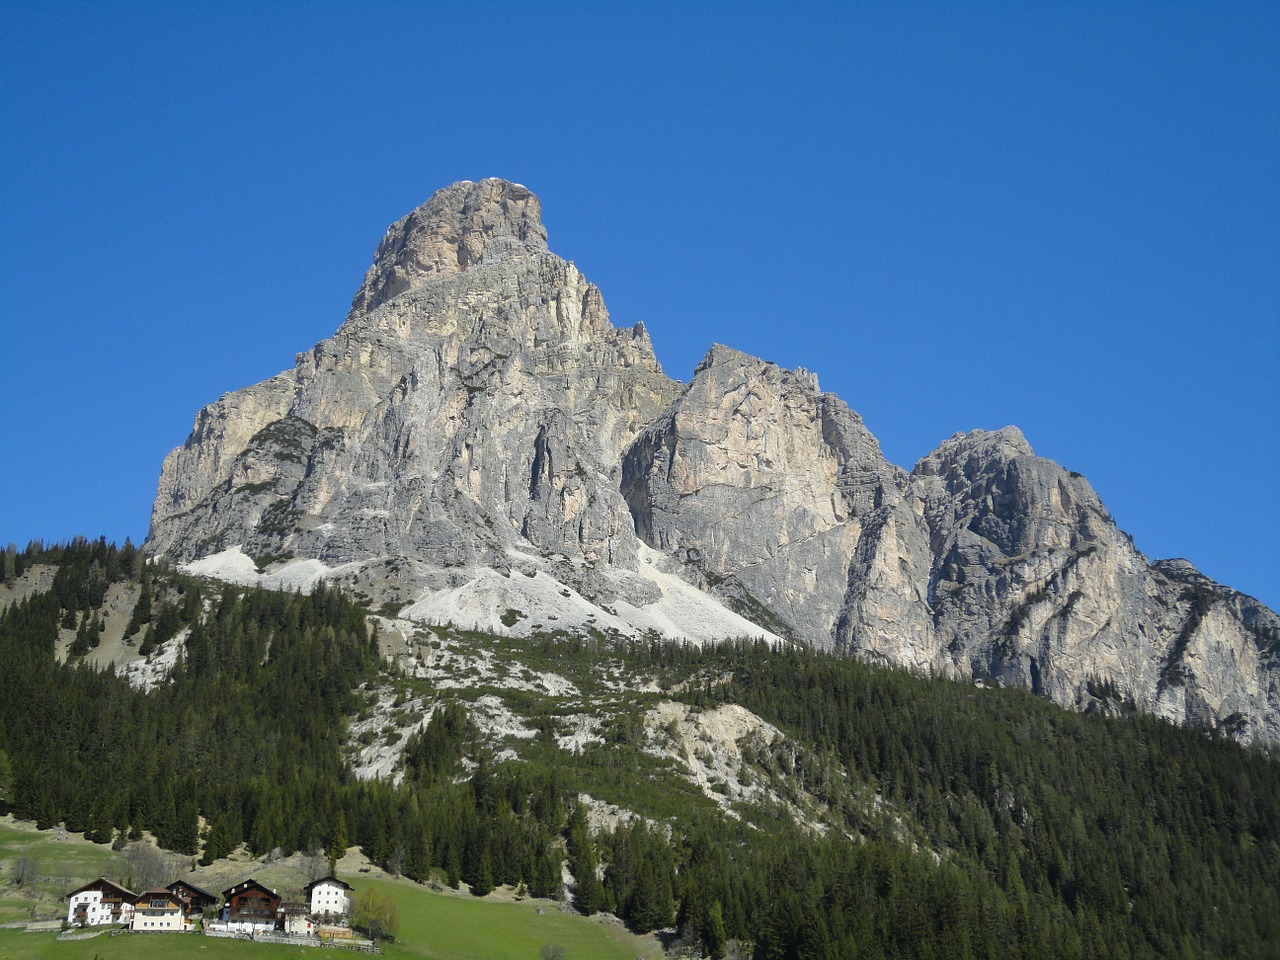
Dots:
(477, 407)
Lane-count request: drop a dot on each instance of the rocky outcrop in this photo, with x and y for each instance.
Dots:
(477, 415)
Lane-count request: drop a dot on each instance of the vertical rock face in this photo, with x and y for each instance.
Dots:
(760, 482)
(1034, 585)
(476, 396)
(478, 411)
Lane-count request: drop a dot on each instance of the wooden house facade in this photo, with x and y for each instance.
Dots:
(198, 900)
(250, 907)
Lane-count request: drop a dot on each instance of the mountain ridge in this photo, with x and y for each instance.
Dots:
(477, 416)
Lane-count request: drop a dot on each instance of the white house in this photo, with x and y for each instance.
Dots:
(329, 897)
(100, 902)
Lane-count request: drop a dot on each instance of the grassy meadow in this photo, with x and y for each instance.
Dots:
(452, 927)
(433, 926)
(60, 865)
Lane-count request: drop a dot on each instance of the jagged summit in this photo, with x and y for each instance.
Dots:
(464, 225)
(1006, 443)
(478, 443)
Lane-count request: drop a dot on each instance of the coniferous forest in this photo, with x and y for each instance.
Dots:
(1009, 827)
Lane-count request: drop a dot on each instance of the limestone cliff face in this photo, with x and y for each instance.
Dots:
(762, 484)
(476, 396)
(1034, 585)
(478, 415)
(986, 563)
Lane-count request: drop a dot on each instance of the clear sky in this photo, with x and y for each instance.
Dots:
(1064, 216)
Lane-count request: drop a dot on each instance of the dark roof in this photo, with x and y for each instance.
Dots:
(244, 885)
(191, 887)
(106, 886)
(334, 880)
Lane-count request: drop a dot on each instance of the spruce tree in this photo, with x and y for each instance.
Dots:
(482, 885)
(588, 893)
(453, 866)
(338, 841)
(712, 933)
(544, 880)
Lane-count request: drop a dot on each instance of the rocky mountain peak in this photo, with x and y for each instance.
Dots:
(466, 224)
(719, 355)
(964, 450)
(725, 363)
(478, 443)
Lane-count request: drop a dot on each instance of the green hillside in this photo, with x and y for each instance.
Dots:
(780, 802)
(433, 927)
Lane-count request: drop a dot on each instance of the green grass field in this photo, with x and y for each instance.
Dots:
(16, 945)
(451, 927)
(433, 926)
(60, 865)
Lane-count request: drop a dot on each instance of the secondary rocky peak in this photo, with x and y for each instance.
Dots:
(719, 354)
(725, 363)
(976, 446)
(464, 225)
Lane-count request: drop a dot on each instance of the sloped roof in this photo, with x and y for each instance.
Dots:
(333, 880)
(156, 893)
(212, 897)
(107, 887)
(249, 884)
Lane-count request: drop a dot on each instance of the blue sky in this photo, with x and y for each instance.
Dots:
(1060, 216)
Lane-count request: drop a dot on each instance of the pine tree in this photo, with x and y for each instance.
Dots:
(148, 645)
(81, 644)
(186, 825)
(588, 893)
(338, 841)
(650, 904)
(544, 879)
(268, 828)
(453, 866)
(712, 933)
(6, 782)
(142, 609)
(482, 885)
(218, 840)
(417, 861)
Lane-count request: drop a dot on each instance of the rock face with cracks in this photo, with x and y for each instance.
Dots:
(477, 417)
(477, 397)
